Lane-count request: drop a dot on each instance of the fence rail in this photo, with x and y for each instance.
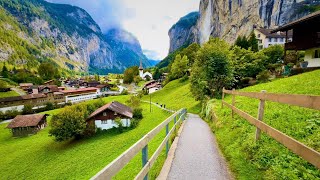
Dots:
(312, 102)
(142, 145)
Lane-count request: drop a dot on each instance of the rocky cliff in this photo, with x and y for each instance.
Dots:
(63, 34)
(228, 19)
(184, 31)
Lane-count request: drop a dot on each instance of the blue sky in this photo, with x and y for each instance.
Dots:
(148, 20)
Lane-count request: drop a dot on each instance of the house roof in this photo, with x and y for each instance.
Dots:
(25, 84)
(268, 34)
(290, 25)
(20, 98)
(116, 107)
(79, 90)
(48, 81)
(53, 88)
(26, 120)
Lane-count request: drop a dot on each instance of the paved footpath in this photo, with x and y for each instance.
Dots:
(197, 156)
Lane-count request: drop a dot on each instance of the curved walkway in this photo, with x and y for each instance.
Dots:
(197, 155)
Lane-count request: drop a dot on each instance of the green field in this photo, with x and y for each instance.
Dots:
(268, 159)
(8, 94)
(40, 157)
(176, 95)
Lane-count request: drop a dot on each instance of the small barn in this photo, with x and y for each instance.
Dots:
(23, 125)
(104, 117)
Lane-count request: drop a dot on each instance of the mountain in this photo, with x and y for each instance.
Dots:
(229, 19)
(184, 31)
(153, 62)
(35, 30)
(126, 48)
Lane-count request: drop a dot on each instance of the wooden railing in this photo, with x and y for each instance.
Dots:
(311, 102)
(142, 145)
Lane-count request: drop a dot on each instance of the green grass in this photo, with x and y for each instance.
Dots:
(8, 94)
(40, 157)
(176, 95)
(268, 159)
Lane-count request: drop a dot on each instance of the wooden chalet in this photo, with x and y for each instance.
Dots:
(25, 86)
(104, 117)
(23, 125)
(306, 37)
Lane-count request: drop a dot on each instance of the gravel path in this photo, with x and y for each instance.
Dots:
(197, 156)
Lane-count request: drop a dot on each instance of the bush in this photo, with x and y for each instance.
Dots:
(296, 71)
(124, 92)
(69, 123)
(120, 127)
(137, 113)
(50, 106)
(134, 123)
(184, 78)
(27, 109)
(263, 76)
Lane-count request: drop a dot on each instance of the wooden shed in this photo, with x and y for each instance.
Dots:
(23, 125)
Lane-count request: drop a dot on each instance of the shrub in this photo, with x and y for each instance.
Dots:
(137, 113)
(69, 123)
(263, 76)
(27, 109)
(120, 127)
(49, 106)
(124, 92)
(184, 78)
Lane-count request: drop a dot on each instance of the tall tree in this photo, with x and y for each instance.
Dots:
(5, 72)
(212, 69)
(179, 66)
(253, 42)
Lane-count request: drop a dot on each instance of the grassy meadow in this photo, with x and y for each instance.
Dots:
(176, 95)
(268, 159)
(40, 157)
(8, 94)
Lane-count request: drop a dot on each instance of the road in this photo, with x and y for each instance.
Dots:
(197, 155)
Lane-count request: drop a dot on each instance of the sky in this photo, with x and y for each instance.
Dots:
(148, 20)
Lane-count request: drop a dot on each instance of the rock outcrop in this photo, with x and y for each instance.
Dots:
(228, 19)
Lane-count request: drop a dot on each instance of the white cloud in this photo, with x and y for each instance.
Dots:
(153, 19)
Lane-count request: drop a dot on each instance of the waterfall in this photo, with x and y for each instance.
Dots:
(205, 30)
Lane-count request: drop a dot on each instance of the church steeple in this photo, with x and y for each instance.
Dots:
(141, 67)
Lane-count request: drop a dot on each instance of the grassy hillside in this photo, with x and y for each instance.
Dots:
(40, 157)
(176, 95)
(268, 159)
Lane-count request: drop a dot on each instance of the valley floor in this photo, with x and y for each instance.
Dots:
(40, 157)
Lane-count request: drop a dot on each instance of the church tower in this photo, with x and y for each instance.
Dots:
(141, 69)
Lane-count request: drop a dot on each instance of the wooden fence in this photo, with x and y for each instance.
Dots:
(142, 145)
(311, 102)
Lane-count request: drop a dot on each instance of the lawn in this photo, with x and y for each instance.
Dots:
(176, 95)
(40, 157)
(8, 94)
(268, 159)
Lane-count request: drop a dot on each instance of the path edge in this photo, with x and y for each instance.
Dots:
(168, 163)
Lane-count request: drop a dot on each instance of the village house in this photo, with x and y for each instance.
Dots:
(23, 125)
(306, 37)
(25, 86)
(266, 38)
(82, 94)
(103, 89)
(152, 86)
(104, 117)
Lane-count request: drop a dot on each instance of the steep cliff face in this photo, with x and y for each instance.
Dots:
(64, 34)
(126, 48)
(184, 32)
(228, 19)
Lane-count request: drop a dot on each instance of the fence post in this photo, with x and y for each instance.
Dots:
(260, 115)
(233, 101)
(175, 121)
(145, 159)
(167, 144)
(222, 97)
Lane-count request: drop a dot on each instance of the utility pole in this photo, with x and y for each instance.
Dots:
(150, 102)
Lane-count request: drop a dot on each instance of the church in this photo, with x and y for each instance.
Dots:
(146, 75)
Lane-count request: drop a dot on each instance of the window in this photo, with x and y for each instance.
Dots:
(316, 54)
(104, 122)
(270, 39)
(104, 114)
(259, 35)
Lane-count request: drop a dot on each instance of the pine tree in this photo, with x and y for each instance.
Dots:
(253, 42)
(5, 72)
